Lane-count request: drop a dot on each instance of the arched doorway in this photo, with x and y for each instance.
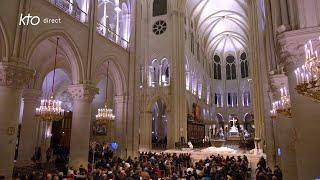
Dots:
(159, 125)
(104, 134)
(56, 135)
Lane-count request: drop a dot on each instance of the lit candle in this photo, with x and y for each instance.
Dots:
(297, 77)
(306, 50)
(285, 91)
(311, 48)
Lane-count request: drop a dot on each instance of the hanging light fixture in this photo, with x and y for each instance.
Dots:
(50, 109)
(105, 114)
(282, 106)
(308, 75)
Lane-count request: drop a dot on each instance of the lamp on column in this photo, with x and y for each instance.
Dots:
(273, 112)
(105, 114)
(50, 109)
(282, 106)
(308, 75)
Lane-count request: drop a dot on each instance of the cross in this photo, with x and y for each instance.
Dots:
(233, 121)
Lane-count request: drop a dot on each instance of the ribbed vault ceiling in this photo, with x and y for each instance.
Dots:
(221, 25)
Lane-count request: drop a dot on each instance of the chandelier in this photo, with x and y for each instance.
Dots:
(50, 109)
(105, 114)
(282, 106)
(308, 75)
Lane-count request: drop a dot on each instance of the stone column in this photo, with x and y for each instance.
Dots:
(277, 82)
(145, 131)
(82, 95)
(284, 12)
(28, 133)
(285, 142)
(178, 118)
(12, 80)
(257, 67)
(120, 124)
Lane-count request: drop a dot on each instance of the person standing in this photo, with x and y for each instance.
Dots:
(48, 154)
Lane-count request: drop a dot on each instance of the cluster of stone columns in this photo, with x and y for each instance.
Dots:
(13, 79)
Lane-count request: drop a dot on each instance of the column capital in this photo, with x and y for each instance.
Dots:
(31, 94)
(15, 75)
(83, 92)
(278, 81)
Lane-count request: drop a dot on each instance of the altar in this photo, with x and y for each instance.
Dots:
(232, 136)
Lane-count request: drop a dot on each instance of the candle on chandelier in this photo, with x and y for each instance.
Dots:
(311, 48)
(306, 50)
(285, 91)
(297, 77)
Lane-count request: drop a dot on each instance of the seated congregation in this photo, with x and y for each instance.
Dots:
(103, 164)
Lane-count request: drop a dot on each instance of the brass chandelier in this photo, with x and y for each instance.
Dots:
(105, 115)
(308, 75)
(50, 109)
(282, 106)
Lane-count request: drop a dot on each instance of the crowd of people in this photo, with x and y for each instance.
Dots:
(265, 173)
(103, 164)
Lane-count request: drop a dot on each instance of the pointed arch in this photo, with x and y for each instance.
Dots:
(69, 47)
(165, 72)
(116, 73)
(159, 97)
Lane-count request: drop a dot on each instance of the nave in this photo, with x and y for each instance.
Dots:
(86, 84)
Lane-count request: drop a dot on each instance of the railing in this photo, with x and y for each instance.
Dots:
(112, 36)
(72, 9)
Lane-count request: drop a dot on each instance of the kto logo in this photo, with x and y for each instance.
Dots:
(26, 20)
